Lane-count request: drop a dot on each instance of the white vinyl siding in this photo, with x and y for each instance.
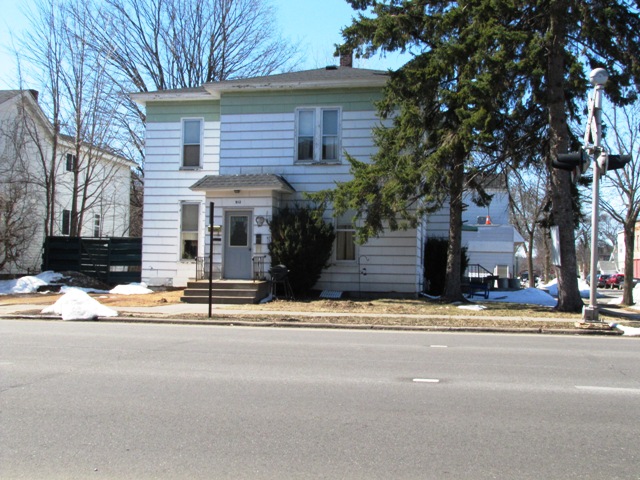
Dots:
(166, 185)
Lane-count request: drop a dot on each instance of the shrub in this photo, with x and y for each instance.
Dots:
(302, 241)
(435, 264)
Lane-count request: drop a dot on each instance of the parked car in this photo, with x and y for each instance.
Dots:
(602, 280)
(615, 281)
(524, 279)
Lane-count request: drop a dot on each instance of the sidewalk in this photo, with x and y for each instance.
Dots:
(197, 314)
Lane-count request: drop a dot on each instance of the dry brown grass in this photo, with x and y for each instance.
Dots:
(378, 312)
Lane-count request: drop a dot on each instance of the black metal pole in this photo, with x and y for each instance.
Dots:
(211, 204)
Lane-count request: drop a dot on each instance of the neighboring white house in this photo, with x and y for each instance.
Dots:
(491, 241)
(251, 147)
(26, 141)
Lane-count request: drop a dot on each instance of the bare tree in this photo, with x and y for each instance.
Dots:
(168, 44)
(621, 194)
(83, 103)
(43, 49)
(528, 198)
(93, 108)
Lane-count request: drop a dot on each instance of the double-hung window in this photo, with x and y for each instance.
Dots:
(97, 226)
(318, 134)
(345, 238)
(72, 162)
(66, 222)
(189, 231)
(191, 143)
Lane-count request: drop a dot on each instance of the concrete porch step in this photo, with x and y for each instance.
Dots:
(237, 292)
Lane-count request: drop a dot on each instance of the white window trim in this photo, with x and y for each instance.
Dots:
(317, 136)
(182, 144)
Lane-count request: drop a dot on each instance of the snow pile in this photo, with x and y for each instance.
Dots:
(28, 284)
(530, 296)
(476, 308)
(131, 289)
(552, 288)
(629, 331)
(77, 305)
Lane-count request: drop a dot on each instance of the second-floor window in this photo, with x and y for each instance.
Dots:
(191, 143)
(318, 134)
(72, 162)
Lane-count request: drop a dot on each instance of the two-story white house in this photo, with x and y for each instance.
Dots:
(249, 147)
(26, 159)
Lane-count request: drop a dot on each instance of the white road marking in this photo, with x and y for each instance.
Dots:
(426, 380)
(438, 346)
(608, 389)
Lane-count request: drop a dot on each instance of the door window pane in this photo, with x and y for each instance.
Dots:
(238, 231)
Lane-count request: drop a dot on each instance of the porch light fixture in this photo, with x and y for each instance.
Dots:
(259, 220)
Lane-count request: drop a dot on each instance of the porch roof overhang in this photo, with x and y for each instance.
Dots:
(221, 183)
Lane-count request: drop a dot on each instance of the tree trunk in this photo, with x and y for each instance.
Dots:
(452, 284)
(629, 245)
(569, 299)
(532, 277)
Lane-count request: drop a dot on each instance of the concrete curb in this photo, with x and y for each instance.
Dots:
(229, 322)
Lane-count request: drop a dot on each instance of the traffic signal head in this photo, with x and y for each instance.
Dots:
(575, 162)
(607, 162)
(617, 161)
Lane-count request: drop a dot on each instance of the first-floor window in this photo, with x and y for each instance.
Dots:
(345, 238)
(96, 226)
(189, 231)
(66, 222)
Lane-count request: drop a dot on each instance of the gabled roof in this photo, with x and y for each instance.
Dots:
(320, 78)
(243, 182)
(8, 95)
(65, 140)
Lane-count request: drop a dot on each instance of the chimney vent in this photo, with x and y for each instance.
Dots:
(346, 59)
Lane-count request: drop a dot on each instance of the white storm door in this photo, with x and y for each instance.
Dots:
(237, 245)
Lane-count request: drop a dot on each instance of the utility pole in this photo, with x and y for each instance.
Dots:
(592, 144)
(604, 161)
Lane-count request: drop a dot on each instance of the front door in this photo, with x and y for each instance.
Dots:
(237, 245)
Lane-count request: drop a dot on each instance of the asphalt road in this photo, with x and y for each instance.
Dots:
(118, 401)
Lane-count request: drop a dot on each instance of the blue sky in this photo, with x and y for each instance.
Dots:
(312, 24)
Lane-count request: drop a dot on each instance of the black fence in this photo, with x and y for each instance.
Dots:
(111, 260)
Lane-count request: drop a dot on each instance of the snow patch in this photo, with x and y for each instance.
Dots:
(78, 305)
(131, 289)
(28, 284)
